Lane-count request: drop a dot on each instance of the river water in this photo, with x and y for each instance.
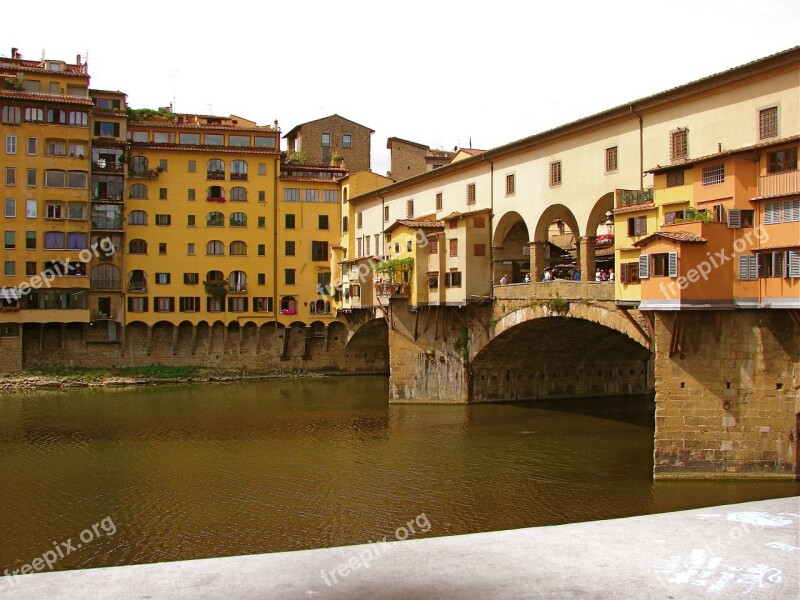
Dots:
(179, 472)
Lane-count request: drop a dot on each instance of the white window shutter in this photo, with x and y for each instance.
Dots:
(673, 264)
(744, 268)
(793, 264)
(734, 218)
(644, 266)
(753, 267)
(772, 213)
(791, 211)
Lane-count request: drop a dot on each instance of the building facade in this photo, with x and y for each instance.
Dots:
(332, 140)
(409, 159)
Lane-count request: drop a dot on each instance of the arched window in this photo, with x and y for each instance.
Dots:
(215, 169)
(137, 190)
(139, 166)
(237, 219)
(215, 248)
(105, 277)
(288, 305)
(34, 115)
(137, 281)
(238, 194)
(137, 247)
(137, 217)
(215, 219)
(237, 282)
(238, 170)
(215, 194)
(214, 277)
(238, 248)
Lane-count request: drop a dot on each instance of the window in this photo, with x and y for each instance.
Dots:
(190, 249)
(237, 219)
(791, 211)
(137, 247)
(637, 226)
(30, 268)
(288, 248)
(238, 170)
(782, 160)
(471, 193)
(137, 217)
(289, 221)
(215, 248)
(77, 149)
(240, 141)
(237, 304)
(262, 249)
(55, 179)
(214, 304)
(262, 304)
(360, 247)
(188, 304)
(33, 146)
(162, 164)
(140, 136)
(326, 140)
(10, 240)
(385, 215)
(190, 196)
(679, 144)
(323, 221)
(262, 196)
(190, 220)
(644, 266)
(291, 195)
(56, 148)
(738, 218)
(713, 175)
(54, 210)
(330, 196)
(78, 118)
(11, 176)
(191, 278)
(770, 264)
(768, 123)
(11, 144)
(163, 137)
(238, 282)
(344, 224)
(664, 264)
(555, 173)
(192, 166)
(162, 278)
(238, 248)
(9, 267)
(265, 142)
(163, 304)
(629, 272)
(438, 201)
(103, 129)
(162, 248)
(319, 250)
(611, 159)
(190, 139)
(34, 115)
(409, 209)
(453, 247)
(748, 267)
(214, 139)
(347, 141)
(675, 178)
(137, 190)
(137, 304)
(11, 114)
(366, 245)
(452, 279)
(76, 211)
(310, 196)
(162, 193)
(262, 222)
(772, 213)
(163, 219)
(215, 169)
(289, 276)
(30, 240)
(54, 240)
(32, 177)
(433, 245)
(31, 209)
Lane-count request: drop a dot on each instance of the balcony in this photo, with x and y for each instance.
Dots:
(143, 173)
(215, 199)
(778, 184)
(106, 197)
(393, 290)
(237, 288)
(107, 223)
(216, 175)
(137, 286)
(105, 166)
(99, 314)
(238, 177)
(633, 197)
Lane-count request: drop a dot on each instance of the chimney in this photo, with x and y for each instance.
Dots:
(78, 60)
(15, 53)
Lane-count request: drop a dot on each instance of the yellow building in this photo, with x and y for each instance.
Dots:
(200, 219)
(45, 114)
(308, 217)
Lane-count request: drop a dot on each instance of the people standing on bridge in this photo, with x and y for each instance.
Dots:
(504, 280)
(527, 278)
(577, 276)
(598, 276)
(611, 275)
(548, 275)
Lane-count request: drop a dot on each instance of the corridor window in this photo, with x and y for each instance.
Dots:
(611, 159)
(471, 193)
(555, 173)
(782, 161)
(511, 184)
(679, 144)
(768, 123)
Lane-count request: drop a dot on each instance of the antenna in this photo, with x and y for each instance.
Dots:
(174, 79)
(210, 109)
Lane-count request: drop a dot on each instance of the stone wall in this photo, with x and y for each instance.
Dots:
(727, 398)
(10, 354)
(356, 158)
(408, 160)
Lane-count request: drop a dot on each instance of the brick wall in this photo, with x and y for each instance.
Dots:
(356, 158)
(10, 354)
(407, 160)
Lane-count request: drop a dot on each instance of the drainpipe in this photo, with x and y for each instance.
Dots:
(276, 302)
(491, 226)
(641, 146)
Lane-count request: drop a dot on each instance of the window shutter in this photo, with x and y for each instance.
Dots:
(182, 304)
(744, 268)
(623, 273)
(754, 267)
(793, 264)
(172, 304)
(244, 307)
(673, 264)
(644, 266)
(734, 218)
(146, 304)
(791, 211)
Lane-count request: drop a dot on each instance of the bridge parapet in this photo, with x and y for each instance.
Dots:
(569, 290)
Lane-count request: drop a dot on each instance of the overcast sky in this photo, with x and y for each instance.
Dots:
(435, 72)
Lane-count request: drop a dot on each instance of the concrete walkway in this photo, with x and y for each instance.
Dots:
(747, 550)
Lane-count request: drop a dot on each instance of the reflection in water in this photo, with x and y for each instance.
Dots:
(200, 471)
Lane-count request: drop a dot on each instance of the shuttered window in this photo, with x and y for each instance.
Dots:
(748, 267)
(772, 213)
(673, 264)
(644, 266)
(793, 264)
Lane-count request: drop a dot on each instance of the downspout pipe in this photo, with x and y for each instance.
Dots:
(641, 146)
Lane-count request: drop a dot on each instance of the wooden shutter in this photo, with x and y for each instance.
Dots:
(673, 264)
(744, 268)
(791, 211)
(793, 264)
(644, 266)
(623, 273)
(734, 218)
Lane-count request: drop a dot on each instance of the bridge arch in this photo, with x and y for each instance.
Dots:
(367, 347)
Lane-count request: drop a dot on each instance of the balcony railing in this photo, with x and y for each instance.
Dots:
(147, 173)
(215, 199)
(393, 290)
(99, 314)
(634, 197)
(137, 286)
(216, 175)
(107, 224)
(777, 184)
(238, 176)
(106, 283)
(100, 197)
(108, 166)
(237, 288)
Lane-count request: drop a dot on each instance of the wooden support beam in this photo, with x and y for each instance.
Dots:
(646, 335)
(795, 316)
(416, 325)
(427, 320)
(674, 340)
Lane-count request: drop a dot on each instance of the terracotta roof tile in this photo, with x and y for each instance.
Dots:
(199, 148)
(56, 98)
(676, 236)
(628, 209)
(460, 215)
(788, 246)
(171, 125)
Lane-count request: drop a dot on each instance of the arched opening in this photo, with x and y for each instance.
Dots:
(215, 219)
(215, 193)
(556, 233)
(367, 349)
(238, 170)
(597, 252)
(288, 305)
(237, 282)
(215, 169)
(511, 250)
(137, 246)
(137, 281)
(105, 277)
(139, 166)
